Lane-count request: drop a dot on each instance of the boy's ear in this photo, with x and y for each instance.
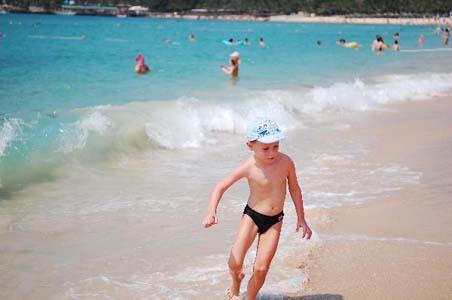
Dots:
(250, 145)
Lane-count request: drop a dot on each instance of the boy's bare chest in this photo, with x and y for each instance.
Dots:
(267, 177)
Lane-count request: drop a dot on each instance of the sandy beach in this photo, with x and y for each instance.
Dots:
(360, 20)
(303, 18)
(105, 175)
(397, 247)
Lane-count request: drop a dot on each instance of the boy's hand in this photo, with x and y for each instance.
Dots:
(307, 232)
(210, 220)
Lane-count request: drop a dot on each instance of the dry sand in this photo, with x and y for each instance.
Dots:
(360, 20)
(399, 247)
(302, 18)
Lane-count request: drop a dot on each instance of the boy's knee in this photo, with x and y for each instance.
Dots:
(234, 265)
(261, 270)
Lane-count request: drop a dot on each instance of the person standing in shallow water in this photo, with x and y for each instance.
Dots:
(420, 40)
(141, 67)
(446, 37)
(233, 70)
(269, 173)
(396, 46)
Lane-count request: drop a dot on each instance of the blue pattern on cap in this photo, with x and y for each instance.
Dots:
(264, 130)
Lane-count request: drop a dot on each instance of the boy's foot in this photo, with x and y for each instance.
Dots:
(232, 295)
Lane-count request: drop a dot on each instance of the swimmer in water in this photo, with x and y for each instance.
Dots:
(396, 46)
(233, 70)
(378, 44)
(352, 45)
(420, 40)
(396, 36)
(141, 67)
(446, 37)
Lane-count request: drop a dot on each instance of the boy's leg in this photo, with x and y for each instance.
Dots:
(266, 249)
(246, 234)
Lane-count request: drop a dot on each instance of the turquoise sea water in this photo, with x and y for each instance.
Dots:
(105, 174)
(49, 76)
(51, 79)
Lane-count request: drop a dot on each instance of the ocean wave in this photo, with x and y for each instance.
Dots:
(190, 122)
(184, 123)
(359, 95)
(75, 135)
(93, 133)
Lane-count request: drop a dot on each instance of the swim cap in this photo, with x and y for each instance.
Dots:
(139, 57)
(264, 130)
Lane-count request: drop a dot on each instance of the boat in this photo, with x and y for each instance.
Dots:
(3, 8)
(65, 12)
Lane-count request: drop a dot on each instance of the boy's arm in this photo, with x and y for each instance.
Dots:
(220, 188)
(297, 198)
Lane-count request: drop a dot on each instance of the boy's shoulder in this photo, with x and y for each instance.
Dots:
(285, 158)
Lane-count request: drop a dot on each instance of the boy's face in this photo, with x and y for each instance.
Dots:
(265, 153)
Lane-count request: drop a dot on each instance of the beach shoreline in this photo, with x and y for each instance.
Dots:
(338, 19)
(398, 246)
(362, 20)
(293, 18)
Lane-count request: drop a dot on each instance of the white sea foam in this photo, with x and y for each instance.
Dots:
(333, 179)
(360, 237)
(8, 133)
(75, 135)
(192, 122)
(359, 95)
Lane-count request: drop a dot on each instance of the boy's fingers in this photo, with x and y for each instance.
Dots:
(208, 222)
(309, 233)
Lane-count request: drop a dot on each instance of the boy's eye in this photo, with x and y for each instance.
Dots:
(265, 149)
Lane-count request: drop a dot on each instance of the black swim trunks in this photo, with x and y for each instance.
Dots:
(263, 222)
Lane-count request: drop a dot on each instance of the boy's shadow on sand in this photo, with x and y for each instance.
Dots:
(307, 297)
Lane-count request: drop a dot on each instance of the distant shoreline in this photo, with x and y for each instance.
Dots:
(296, 18)
(363, 20)
(315, 19)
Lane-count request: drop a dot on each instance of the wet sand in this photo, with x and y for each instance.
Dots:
(400, 246)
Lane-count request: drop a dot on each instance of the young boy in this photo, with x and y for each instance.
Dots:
(267, 172)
